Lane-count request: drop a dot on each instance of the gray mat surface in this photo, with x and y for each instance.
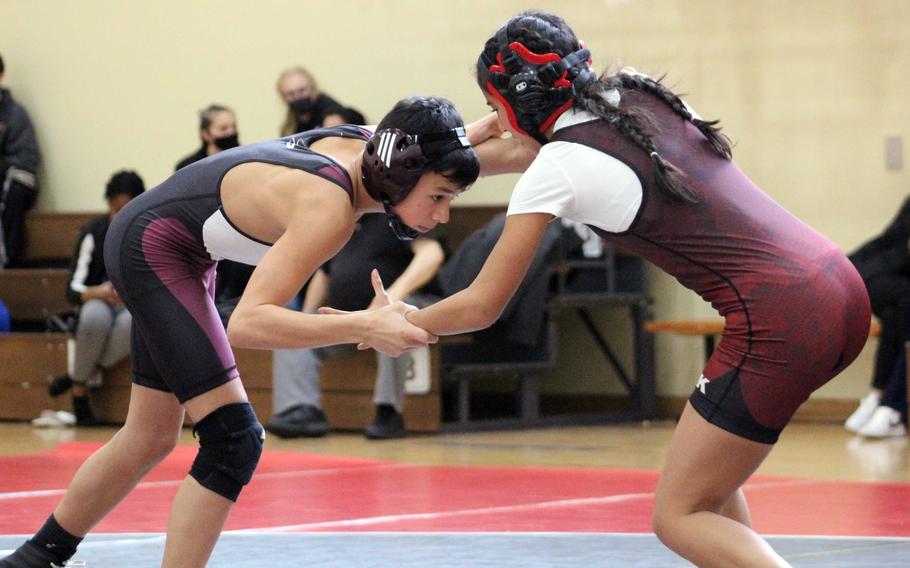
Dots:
(463, 550)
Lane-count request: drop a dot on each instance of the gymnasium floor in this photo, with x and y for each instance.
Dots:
(542, 498)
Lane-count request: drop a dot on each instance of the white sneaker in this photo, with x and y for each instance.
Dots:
(862, 414)
(885, 423)
(54, 418)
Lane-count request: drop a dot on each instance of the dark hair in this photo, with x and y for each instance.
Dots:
(124, 182)
(2, 68)
(542, 32)
(207, 114)
(351, 115)
(430, 115)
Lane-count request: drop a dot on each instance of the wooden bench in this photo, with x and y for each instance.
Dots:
(51, 237)
(709, 329)
(34, 294)
(30, 360)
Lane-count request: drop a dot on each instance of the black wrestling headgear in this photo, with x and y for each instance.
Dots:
(393, 162)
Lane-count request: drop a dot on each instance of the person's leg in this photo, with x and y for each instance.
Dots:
(17, 201)
(699, 511)
(152, 427)
(388, 396)
(296, 396)
(232, 438)
(117, 347)
(391, 374)
(890, 298)
(889, 419)
(890, 342)
(295, 379)
(95, 321)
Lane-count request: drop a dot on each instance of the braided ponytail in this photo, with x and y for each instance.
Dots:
(709, 129)
(601, 99)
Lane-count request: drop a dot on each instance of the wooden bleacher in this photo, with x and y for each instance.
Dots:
(51, 237)
(28, 361)
(34, 294)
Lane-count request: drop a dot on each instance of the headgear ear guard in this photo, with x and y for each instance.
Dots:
(393, 162)
(535, 88)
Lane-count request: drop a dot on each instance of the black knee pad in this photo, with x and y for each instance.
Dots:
(230, 441)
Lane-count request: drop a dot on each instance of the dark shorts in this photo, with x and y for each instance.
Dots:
(167, 281)
(786, 344)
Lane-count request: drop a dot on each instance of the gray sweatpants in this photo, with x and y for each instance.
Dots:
(295, 373)
(102, 339)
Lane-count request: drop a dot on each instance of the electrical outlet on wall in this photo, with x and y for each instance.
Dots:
(894, 153)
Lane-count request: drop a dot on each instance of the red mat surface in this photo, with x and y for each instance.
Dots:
(306, 492)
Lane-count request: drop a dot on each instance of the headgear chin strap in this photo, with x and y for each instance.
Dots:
(393, 162)
(535, 88)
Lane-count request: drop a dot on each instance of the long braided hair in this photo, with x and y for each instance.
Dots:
(544, 33)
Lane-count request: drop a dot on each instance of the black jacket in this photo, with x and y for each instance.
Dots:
(18, 145)
(523, 317)
(887, 253)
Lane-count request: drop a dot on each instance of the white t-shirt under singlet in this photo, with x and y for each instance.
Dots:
(579, 183)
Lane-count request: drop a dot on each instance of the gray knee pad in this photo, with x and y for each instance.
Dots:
(230, 440)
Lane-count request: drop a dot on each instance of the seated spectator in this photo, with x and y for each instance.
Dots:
(217, 131)
(19, 159)
(102, 334)
(884, 264)
(345, 283)
(308, 108)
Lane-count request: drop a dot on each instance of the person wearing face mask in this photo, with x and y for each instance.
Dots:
(217, 131)
(307, 107)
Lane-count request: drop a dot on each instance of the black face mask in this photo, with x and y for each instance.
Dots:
(302, 105)
(226, 142)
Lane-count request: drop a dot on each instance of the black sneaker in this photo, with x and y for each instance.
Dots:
(303, 420)
(30, 556)
(60, 385)
(82, 409)
(389, 424)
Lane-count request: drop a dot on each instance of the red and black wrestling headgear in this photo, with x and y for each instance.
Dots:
(535, 88)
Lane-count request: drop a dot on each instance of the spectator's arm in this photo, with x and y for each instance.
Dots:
(77, 291)
(333, 119)
(21, 144)
(428, 258)
(79, 269)
(317, 293)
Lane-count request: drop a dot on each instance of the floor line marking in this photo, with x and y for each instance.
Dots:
(461, 512)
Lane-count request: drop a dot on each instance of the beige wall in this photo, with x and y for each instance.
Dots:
(808, 89)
